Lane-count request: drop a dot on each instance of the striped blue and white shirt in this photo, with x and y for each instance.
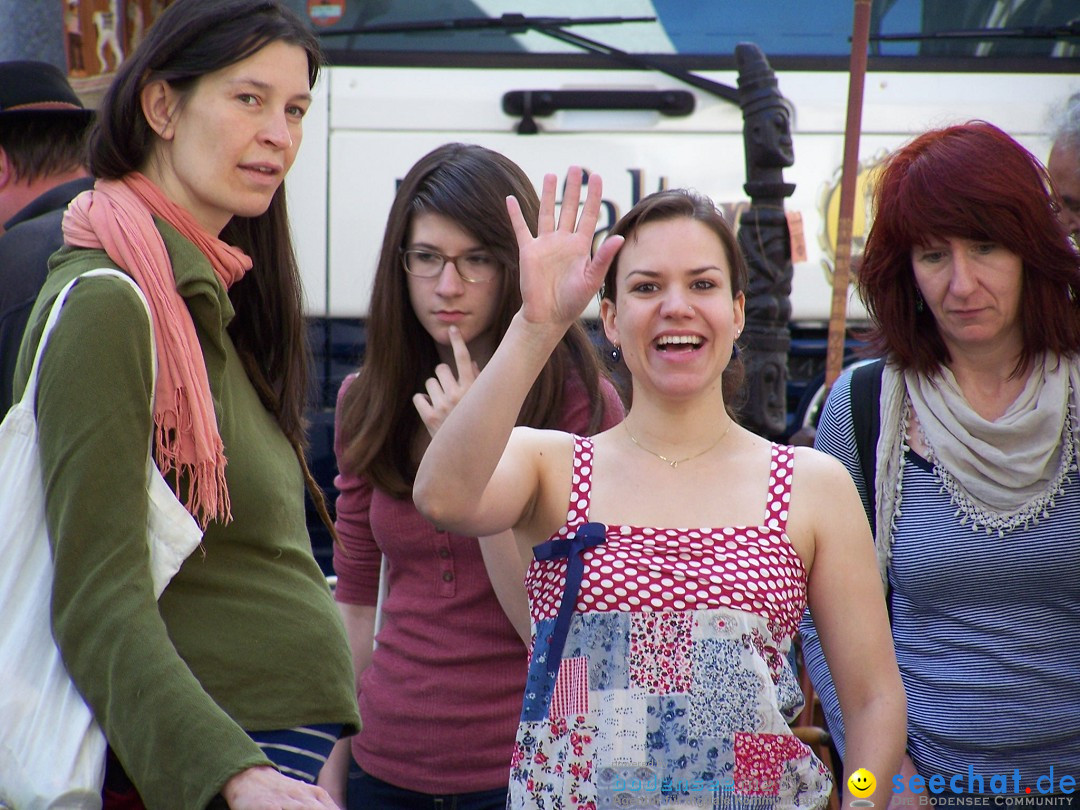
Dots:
(300, 752)
(986, 627)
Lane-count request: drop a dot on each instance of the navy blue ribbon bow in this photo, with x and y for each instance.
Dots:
(572, 550)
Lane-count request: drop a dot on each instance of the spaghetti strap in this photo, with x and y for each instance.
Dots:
(577, 511)
(779, 496)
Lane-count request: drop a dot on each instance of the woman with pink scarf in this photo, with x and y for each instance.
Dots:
(207, 696)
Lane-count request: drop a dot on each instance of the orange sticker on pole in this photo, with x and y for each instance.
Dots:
(797, 236)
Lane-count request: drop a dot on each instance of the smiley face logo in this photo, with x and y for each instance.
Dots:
(862, 783)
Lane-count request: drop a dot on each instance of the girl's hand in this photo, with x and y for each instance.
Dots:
(558, 279)
(444, 391)
(263, 788)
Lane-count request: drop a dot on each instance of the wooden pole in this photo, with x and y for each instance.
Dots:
(834, 356)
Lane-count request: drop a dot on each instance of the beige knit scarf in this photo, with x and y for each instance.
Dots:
(999, 474)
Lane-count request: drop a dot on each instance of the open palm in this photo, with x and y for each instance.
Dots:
(558, 277)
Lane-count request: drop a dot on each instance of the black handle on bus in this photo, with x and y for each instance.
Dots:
(529, 103)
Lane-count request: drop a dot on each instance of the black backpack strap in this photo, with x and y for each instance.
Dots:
(866, 424)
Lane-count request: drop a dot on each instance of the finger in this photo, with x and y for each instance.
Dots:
(462, 358)
(436, 387)
(591, 212)
(547, 205)
(325, 799)
(603, 258)
(428, 415)
(448, 384)
(517, 220)
(423, 407)
(570, 199)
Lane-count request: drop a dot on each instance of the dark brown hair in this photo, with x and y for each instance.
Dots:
(678, 203)
(39, 146)
(974, 182)
(467, 184)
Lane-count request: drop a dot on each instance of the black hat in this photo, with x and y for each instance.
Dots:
(37, 88)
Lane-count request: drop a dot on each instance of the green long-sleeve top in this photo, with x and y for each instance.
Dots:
(246, 636)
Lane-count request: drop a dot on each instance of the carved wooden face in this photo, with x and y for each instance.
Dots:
(769, 143)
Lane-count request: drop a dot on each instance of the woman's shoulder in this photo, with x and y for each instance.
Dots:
(818, 467)
(549, 449)
(103, 317)
(69, 263)
(98, 304)
(542, 438)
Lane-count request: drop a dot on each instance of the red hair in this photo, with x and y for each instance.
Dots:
(970, 181)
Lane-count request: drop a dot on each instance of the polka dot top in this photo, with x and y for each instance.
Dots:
(751, 568)
(669, 683)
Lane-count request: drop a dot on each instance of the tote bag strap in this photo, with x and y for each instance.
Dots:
(54, 314)
(172, 533)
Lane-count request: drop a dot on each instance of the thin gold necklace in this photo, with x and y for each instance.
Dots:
(675, 462)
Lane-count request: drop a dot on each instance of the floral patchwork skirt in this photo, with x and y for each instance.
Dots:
(663, 710)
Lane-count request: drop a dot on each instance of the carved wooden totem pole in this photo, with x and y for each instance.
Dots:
(764, 239)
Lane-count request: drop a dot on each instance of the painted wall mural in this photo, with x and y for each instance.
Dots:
(98, 34)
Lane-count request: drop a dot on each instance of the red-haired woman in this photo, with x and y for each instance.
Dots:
(974, 291)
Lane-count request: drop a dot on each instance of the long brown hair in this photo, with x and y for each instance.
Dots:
(467, 184)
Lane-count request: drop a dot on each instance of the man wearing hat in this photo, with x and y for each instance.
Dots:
(42, 167)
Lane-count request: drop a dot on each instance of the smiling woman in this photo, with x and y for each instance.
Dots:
(221, 703)
(682, 289)
(673, 557)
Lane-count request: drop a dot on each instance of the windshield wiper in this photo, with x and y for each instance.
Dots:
(553, 27)
(513, 23)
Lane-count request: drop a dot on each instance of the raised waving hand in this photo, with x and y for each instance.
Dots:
(558, 277)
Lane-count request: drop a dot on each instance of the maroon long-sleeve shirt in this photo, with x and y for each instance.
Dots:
(441, 699)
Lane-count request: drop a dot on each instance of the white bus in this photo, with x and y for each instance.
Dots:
(464, 67)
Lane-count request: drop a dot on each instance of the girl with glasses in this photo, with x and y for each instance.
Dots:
(441, 693)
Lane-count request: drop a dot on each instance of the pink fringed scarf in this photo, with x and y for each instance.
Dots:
(117, 217)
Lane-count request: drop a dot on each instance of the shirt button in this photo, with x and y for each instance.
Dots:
(448, 576)
(444, 552)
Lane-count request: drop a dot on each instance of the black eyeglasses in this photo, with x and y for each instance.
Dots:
(474, 268)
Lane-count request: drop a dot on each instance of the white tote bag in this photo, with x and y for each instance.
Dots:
(52, 752)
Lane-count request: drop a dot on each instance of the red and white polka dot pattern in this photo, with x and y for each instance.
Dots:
(751, 568)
